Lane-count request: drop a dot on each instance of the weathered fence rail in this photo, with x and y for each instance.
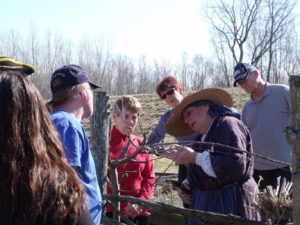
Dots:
(203, 217)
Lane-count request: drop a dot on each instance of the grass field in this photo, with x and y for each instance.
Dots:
(153, 107)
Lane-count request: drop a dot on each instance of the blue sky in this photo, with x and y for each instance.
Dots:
(160, 29)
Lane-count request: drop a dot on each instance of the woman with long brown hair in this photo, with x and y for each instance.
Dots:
(37, 185)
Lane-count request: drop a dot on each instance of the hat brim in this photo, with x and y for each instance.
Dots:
(176, 125)
(10, 64)
(243, 76)
(94, 86)
(235, 82)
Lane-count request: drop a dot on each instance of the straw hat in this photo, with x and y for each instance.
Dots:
(7, 63)
(176, 126)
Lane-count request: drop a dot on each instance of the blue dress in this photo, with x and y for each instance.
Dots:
(231, 192)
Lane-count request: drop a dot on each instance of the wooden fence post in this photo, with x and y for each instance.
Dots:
(99, 124)
(294, 139)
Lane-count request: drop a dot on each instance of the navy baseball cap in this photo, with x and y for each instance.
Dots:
(68, 76)
(7, 63)
(241, 70)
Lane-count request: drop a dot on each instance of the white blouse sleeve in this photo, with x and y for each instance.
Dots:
(203, 160)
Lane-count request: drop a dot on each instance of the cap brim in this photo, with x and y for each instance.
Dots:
(234, 84)
(176, 125)
(10, 64)
(242, 76)
(94, 86)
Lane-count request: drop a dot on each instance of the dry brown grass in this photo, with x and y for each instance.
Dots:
(276, 204)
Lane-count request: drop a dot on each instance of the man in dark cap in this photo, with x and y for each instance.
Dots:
(72, 101)
(266, 114)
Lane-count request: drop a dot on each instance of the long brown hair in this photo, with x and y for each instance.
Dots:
(37, 186)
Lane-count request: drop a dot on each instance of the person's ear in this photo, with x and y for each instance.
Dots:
(255, 73)
(180, 90)
(84, 94)
(114, 116)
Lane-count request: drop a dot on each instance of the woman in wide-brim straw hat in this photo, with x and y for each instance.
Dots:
(219, 176)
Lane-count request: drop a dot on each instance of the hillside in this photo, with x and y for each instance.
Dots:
(153, 107)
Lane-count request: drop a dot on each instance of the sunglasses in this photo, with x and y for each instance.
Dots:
(168, 92)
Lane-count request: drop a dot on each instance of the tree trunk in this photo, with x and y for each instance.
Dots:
(294, 140)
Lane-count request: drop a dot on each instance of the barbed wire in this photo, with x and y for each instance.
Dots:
(212, 149)
(160, 148)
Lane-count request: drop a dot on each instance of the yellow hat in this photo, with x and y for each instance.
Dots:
(7, 63)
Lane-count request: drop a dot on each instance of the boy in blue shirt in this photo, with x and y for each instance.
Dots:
(72, 101)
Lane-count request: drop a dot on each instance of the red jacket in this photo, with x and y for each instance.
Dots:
(136, 179)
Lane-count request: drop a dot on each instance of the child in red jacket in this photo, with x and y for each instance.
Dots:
(136, 178)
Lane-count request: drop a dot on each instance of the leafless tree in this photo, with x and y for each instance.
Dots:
(258, 31)
(11, 44)
(250, 30)
(95, 57)
(184, 70)
(200, 73)
(123, 75)
(278, 25)
(160, 70)
(232, 21)
(145, 79)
